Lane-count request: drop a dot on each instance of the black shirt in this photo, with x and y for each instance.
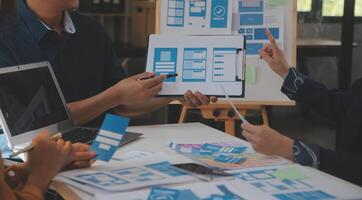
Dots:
(84, 62)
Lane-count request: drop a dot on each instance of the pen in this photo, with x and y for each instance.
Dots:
(30, 147)
(167, 77)
(242, 118)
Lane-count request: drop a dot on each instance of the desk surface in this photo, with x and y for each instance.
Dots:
(156, 139)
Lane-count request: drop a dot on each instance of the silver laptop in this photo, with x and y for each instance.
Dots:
(31, 102)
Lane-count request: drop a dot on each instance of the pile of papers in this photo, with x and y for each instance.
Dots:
(150, 176)
(227, 155)
(267, 183)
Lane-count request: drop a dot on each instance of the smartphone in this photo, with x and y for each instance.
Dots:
(200, 169)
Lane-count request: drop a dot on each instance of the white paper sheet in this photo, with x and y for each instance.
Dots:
(202, 63)
(196, 17)
(123, 177)
(132, 155)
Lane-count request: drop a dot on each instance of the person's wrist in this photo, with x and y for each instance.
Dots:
(284, 72)
(112, 98)
(288, 149)
(41, 182)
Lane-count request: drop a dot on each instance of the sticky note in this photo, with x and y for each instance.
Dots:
(291, 173)
(277, 2)
(250, 74)
(109, 137)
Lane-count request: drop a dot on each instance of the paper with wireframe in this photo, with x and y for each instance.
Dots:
(202, 63)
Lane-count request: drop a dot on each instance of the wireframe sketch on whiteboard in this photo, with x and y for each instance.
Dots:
(250, 17)
(196, 17)
(202, 63)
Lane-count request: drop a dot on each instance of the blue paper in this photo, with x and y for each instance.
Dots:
(109, 137)
(163, 193)
(115, 123)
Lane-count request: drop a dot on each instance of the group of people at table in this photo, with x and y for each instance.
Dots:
(93, 83)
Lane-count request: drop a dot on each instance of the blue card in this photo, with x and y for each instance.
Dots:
(163, 193)
(109, 137)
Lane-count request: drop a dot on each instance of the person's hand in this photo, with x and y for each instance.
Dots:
(134, 91)
(196, 99)
(274, 56)
(46, 160)
(268, 141)
(80, 157)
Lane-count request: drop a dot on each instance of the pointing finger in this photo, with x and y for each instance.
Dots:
(271, 38)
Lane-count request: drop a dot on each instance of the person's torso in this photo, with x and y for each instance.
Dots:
(77, 60)
(349, 129)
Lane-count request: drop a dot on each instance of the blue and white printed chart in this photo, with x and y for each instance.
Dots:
(196, 17)
(109, 136)
(250, 17)
(293, 182)
(202, 63)
(127, 176)
(222, 190)
(267, 183)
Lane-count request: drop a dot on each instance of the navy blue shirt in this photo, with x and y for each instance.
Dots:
(84, 62)
(303, 154)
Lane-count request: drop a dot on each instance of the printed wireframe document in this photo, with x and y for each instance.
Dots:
(202, 63)
(196, 17)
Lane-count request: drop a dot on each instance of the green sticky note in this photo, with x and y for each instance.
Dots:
(291, 173)
(250, 74)
(277, 2)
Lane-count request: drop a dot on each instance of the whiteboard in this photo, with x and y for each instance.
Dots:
(266, 90)
(268, 84)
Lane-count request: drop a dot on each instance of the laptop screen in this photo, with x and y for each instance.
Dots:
(30, 100)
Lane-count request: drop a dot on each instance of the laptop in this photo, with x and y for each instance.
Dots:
(31, 102)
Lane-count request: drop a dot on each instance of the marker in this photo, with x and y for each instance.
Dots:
(242, 118)
(167, 77)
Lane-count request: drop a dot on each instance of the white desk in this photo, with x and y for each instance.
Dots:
(157, 138)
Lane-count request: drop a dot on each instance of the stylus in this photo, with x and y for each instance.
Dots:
(30, 147)
(242, 118)
(167, 77)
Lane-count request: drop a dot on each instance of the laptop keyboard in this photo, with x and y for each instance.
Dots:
(82, 135)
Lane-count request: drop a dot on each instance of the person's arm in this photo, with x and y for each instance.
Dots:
(190, 99)
(13, 177)
(330, 103)
(268, 141)
(147, 107)
(128, 92)
(345, 165)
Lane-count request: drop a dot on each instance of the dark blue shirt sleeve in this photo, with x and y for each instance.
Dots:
(292, 83)
(308, 155)
(304, 154)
